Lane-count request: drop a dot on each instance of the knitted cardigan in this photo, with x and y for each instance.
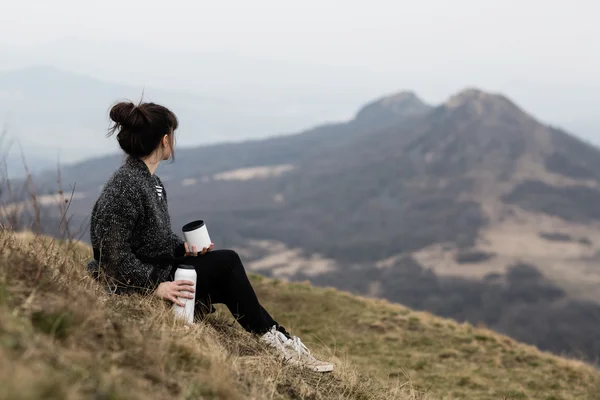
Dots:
(130, 224)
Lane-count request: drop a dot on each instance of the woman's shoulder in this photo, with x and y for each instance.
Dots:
(123, 177)
(123, 182)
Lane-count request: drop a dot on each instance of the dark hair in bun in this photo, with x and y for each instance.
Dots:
(140, 128)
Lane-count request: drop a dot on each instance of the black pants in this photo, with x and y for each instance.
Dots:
(222, 279)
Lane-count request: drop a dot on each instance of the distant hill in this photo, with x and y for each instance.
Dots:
(471, 209)
(12, 164)
(66, 114)
(126, 347)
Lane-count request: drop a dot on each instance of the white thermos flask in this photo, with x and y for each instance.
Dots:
(187, 273)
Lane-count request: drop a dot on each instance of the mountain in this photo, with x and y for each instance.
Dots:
(60, 113)
(129, 347)
(12, 165)
(471, 209)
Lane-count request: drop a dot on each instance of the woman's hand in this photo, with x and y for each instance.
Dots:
(172, 290)
(194, 251)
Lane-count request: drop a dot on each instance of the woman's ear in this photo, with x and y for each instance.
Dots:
(165, 141)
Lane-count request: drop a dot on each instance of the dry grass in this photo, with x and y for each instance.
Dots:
(62, 337)
(440, 357)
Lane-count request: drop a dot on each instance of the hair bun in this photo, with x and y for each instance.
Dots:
(124, 114)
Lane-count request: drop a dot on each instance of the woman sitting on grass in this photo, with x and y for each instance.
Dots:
(137, 252)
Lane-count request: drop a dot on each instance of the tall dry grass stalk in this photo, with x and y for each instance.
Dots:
(22, 207)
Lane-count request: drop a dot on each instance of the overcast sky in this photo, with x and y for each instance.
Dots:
(544, 54)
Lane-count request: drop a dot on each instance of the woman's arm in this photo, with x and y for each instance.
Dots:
(178, 245)
(115, 230)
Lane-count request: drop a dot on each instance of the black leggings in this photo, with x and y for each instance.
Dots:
(222, 279)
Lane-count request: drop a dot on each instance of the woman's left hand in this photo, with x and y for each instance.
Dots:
(194, 251)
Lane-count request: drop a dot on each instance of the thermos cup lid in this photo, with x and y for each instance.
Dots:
(185, 266)
(193, 225)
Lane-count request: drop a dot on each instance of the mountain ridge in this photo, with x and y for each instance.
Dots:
(437, 210)
(67, 113)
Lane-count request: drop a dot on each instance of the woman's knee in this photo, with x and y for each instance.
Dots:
(232, 255)
(233, 258)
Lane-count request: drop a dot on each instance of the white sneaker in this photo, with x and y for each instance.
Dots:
(276, 340)
(294, 351)
(301, 356)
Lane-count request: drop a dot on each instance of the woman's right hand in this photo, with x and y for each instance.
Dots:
(172, 290)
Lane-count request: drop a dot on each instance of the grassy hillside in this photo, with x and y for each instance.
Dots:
(61, 337)
(476, 211)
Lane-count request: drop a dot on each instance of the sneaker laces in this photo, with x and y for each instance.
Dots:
(281, 337)
(296, 344)
(275, 335)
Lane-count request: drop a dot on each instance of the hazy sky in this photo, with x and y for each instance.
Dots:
(544, 54)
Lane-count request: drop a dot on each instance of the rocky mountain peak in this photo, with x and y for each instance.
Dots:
(401, 104)
(480, 103)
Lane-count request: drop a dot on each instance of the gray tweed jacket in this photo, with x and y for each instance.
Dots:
(130, 224)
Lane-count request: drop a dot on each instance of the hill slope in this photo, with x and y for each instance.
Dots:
(61, 337)
(472, 210)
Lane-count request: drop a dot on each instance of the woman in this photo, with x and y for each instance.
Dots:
(136, 250)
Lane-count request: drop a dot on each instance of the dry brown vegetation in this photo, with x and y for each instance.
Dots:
(62, 337)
